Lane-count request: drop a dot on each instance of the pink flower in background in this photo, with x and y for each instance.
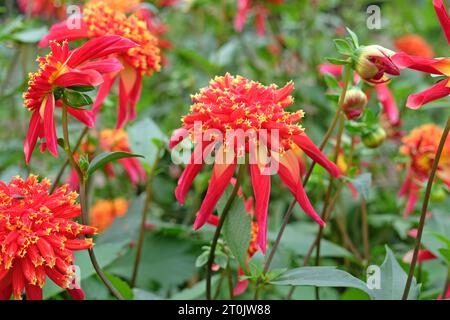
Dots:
(260, 9)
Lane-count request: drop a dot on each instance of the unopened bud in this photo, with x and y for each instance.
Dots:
(373, 62)
(374, 138)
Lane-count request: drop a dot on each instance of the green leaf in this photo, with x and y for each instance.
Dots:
(197, 291)
(82, 88)
(107, 157)
(121, 286)
(140, 294)
(202, 259)
(337, 61)
(237, 231)
(30, 35)
(354, 37)
(319, 277)
(343, 47)
(142, 136)
(331, 81)
(391, 285)
(76, 99)
(362, 184)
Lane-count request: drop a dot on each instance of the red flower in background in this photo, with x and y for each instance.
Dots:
(103, 212)
(42, 8)
(414, 45)
(420, 146)
(113, 140)
(236, 103)
(65, 68)
(38, 237)
(436, 66)
(260, 9)
(137, 61)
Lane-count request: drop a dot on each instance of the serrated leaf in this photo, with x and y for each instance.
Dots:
(237, 231)
(107, 157)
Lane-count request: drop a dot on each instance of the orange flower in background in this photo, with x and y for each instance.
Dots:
(414, 45)
(259, 8)
(236, 103)
(138, 61)
(38, 238)
(63, 68)
(42, 8)
(113, 140)
(421, 146)
(103, 212)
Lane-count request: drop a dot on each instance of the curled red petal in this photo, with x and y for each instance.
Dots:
(437, 91)
(443, 17)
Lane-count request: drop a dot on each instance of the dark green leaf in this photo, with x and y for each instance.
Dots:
(76, 99)
(107, 157)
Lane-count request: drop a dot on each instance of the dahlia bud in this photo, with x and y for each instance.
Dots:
(372, 62)
(438, 194)
(354, 103)
(374, 138)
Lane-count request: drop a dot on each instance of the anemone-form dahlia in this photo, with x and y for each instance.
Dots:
(113, 140)
(104, 211)
(42, 8)
(421, 146)
(38, 237)
(260, 9)
(100, 19)
(63, 68)
(435, 66)
(233, 105)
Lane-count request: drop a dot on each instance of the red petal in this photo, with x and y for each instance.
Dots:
(33, 292)
(261, 190)
(85, 116)
(60, 32)
(49, 125)
(32, 135)
(289, 173)
(438, 91)
(428, 65)
(79, 78)
(332, 69)
(98, 48)
(443, 17)
(306, 144)
(77, 294)
(388, 102)
(103, 66)
(221, 176)
(178, 136)
(190, 172)
(105, 88)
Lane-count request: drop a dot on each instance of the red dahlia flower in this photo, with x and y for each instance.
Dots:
(42, 8)
(421, 146)
(65, 68)
(137, 61)
(232, 105)
(38, 237)
(436, 66)
(260, 9)
(113, 140)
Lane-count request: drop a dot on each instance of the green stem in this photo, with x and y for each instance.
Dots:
(215, 240)
(66, 163)
(84, 203)
(425, 208)
(147, 202)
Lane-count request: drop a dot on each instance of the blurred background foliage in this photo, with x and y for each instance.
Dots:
(298, 38)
